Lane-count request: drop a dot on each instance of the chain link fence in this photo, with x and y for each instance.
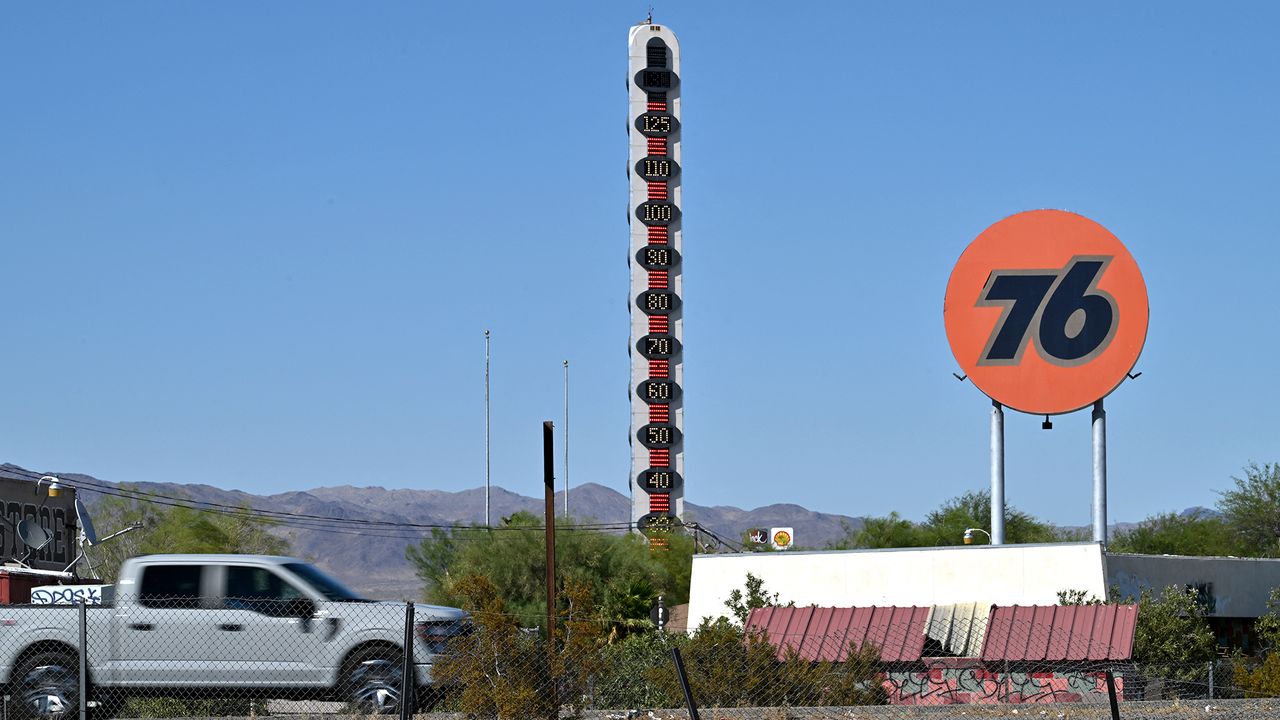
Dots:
(253, 657)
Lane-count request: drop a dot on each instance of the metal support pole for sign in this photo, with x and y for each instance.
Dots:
(84, 660)
(997, 473)
(1099, 473)
(549, 481)
(407, 679)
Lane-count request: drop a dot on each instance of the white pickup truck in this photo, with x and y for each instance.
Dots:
(222, 626)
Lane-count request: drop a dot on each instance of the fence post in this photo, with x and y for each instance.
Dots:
(1211, 664)
(684, 683)
(84, 660)
(1111, 693)
(408, 680)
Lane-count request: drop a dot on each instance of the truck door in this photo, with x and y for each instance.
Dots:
(161, 638)
(265, 633)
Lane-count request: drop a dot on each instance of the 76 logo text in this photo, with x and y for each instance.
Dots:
(1069, 318)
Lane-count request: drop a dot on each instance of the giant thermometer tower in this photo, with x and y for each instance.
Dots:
(657, 323)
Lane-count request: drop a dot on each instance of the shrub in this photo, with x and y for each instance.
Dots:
(1261, 681)
(633, 672)
(500, 670)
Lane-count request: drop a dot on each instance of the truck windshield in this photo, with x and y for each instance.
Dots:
(330, 588)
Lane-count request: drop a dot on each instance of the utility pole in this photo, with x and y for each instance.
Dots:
(549, 483)
(486, 429)
(566, 440)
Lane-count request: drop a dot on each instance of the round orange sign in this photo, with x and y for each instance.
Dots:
(1046, 311)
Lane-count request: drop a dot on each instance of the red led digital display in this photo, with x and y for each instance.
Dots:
(660, 502)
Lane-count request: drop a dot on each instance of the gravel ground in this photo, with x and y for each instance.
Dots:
(1259, 709)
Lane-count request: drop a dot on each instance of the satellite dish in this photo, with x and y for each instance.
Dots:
(86, 524)
(89, 536)
(33, 536)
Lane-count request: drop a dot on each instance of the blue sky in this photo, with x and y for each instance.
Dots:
(258, 245)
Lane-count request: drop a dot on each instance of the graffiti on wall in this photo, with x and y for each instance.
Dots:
(953, 683)
(67, 594)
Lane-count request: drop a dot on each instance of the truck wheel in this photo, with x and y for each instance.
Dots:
(47, 685)
(373, 681)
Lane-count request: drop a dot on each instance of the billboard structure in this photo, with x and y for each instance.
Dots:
(1046, 312)
(21, 502)
(657, 321)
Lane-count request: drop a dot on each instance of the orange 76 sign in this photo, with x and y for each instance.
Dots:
(1046, 311)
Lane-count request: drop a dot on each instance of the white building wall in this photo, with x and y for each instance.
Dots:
(999, 574)
(1235, 587)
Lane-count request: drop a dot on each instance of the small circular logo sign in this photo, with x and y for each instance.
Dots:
(1046, 311)
(782, 538)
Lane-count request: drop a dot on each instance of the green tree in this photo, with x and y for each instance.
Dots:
(1268, 626)
(891, 531)
(1077, 597)
(624, 574)
(741, 603)
(501, 672)
(1252, 509)
(728, 667)
(505, 673)
(1264, 680)
(432, 559)
(946, 526)
(1195, 533)
(1172, 629)
(180, 529)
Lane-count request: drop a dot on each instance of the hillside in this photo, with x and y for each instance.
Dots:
(371, 558)
(369, 553)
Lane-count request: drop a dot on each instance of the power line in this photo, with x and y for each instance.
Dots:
(299, 520)
(337, 525)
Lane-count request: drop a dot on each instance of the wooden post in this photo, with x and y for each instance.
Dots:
(549, 480)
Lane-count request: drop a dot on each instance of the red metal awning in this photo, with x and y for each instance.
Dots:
(1014, 633)
(1060, 632)
(827, 634)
